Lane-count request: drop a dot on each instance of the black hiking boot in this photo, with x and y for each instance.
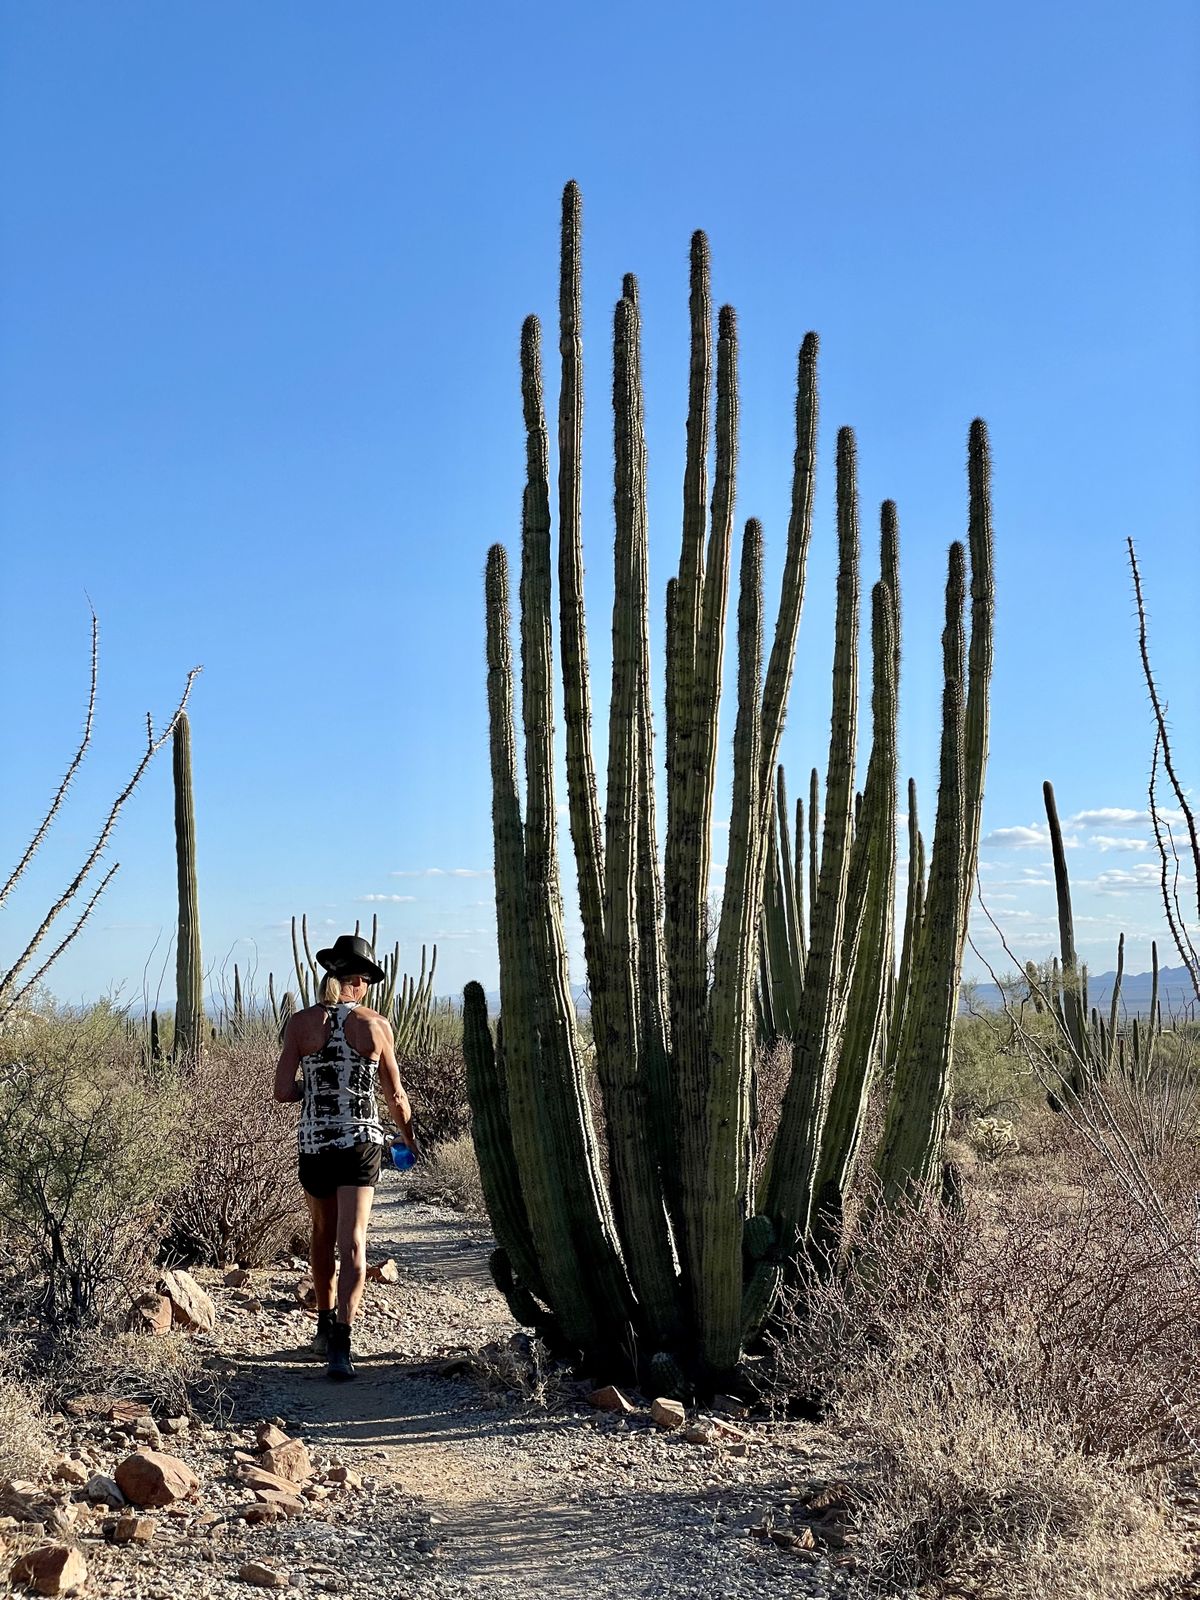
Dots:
(340, 1366)
(325, 1322)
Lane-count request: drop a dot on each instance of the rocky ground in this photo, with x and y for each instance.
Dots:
(418, 1478)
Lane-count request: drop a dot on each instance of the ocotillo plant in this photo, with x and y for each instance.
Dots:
(189, 977)
(673, 1263)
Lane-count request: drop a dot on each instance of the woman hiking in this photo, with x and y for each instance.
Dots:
(341, 1049)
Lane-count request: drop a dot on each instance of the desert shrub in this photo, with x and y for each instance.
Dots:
(25, 1443)
(241, 1199)
(436, 1081)
(449, 1175)
(171, 1375)
(90, 1142)
(1020, 1369)
(991, 1077)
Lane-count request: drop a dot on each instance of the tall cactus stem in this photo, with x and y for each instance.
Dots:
(190, 1031)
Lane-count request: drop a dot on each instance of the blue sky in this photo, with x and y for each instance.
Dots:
(264, 269)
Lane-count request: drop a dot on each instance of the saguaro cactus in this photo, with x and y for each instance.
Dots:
(189, 974)
(673, 1263)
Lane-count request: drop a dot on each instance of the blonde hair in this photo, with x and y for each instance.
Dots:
(331, 990)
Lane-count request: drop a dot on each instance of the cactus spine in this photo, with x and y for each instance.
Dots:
(674, 1264)
(189, 977)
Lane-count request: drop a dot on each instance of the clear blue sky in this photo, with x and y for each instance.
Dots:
(263, 269)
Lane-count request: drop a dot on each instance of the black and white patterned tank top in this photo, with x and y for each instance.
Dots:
(339, 1108)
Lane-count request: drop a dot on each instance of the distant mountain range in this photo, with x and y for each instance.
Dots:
(1176, 997)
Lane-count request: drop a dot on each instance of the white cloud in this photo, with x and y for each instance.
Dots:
(442, 872)
(1019, 838)
(1104, 842)
(1121, 817)
(392, 899)
(1105, 817)
(1117, 880)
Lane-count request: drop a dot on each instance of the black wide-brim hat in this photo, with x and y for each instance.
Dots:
(349, 956)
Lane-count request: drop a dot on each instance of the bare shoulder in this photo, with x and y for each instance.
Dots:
(376, 1021)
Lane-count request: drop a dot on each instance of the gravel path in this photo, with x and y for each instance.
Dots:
(465, 1493)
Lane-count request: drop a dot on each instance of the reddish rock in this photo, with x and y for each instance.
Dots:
(270, 1437)
(610, 1398)
(258, 1512)
(289, 1460)
(668, 1413)
(51, 1569)
(384, 1272)
(343, 1477)
(150, 1478)
(70, 1470)
(237, 1278)
(131, 1529)
(152, 1313)
(306, 1293)
(191, 1306)
(257, 1572)
(256, 1477)
(288, 1505)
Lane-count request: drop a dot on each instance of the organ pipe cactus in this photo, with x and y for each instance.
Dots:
(189, 976)
(672, 1263)
(406, 1000)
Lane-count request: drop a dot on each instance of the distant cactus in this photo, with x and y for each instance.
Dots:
(674, 1262)
(190, 1030)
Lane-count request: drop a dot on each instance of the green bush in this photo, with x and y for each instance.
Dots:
(91, 1139)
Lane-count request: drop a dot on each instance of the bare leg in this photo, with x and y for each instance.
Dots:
(324, 1236)
(353, 1214)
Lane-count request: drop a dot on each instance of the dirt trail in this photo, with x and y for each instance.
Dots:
(515, 1500)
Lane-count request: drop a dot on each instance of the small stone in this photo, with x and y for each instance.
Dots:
(610, 1398)
(265, 1577)
(288, 1505)
(131, 1529)
(699, 1433)
(102, 1490)
(191, 1306)
(175, 1424)
(384, 1272)
(70, 1470)
(344, 1476)
(258, 1511)
(270, 1437)
(668, 1413)
(251, 1304)
(236, 1278)
(51, 1569)
(288, 1460)
(151, 1314)
(256, 1477)
(149, 1478)
(726, 1430)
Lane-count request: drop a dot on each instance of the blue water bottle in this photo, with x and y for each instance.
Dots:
(402, 1157)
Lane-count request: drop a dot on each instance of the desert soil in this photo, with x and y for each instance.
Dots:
(466, 1491)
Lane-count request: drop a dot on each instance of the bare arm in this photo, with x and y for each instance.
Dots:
(287, 1089)
(393, 1089)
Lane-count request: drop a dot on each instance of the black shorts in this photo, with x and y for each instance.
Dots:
(354, 1168)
